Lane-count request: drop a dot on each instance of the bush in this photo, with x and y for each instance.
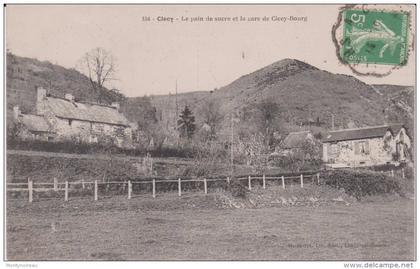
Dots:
(237, 189)
(294, 164)
(209, 159)
(360, 183)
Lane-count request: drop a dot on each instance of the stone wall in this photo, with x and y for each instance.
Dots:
(91, 132)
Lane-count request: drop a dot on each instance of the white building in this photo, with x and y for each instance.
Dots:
(378, 145)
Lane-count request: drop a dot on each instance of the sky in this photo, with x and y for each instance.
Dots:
(153, 56)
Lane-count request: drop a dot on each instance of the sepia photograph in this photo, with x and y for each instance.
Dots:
(210, 132)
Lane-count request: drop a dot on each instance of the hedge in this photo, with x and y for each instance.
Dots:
(86, 148)
(360, 183)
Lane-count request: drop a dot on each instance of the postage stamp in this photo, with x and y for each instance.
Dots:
(375, 37)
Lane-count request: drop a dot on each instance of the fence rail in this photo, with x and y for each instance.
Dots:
(65, 187)
(127, 186)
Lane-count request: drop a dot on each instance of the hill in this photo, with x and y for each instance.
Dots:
(308, 98)
(398, 103)
(24, 75)
(305, 95)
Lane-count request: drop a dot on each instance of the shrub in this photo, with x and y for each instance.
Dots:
(293, 164)
(208, 159)
(237, 189)
(359, 183)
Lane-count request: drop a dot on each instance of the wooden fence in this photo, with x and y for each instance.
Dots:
(65, 186)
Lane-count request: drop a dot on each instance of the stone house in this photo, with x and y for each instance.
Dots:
(60, 119)
(370, 146)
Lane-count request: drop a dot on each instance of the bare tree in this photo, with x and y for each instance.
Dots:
(268, 114)
(254, 150)
(99, 65)
(264, 118)
(212, 117)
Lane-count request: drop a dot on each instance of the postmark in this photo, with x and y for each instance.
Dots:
(375, 37)
(374, 40)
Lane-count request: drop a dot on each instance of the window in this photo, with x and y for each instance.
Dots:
(119, 131)
(361, 148)
(99, 128)
(334, 149)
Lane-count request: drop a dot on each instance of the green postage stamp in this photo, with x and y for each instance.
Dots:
(375, 37)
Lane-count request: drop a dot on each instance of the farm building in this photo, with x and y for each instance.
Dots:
(297, 143)
(58, 119)
(33, 126)
(378, 145)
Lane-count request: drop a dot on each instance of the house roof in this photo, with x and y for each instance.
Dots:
(66, 109)
(295, 139)
(35, 123)
(362, 133)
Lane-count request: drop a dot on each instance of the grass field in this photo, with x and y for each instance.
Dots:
(193, 227)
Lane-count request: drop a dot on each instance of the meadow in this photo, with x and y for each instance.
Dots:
(196, 227)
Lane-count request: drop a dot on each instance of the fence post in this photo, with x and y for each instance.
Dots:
(249, 182)
(96, 190)
(66, 191)
(392, 172)
(55, 184)
(403, 174)
(205, 185)
(179, 186)
(282, 182)
(151, 165)
(263, 181)
(129, 189)
(301, 180)
(317, 177)
(30, 189)
(154, 188)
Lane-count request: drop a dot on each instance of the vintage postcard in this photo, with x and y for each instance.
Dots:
(210, 133)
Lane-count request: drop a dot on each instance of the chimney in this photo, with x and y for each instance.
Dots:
(41, 93)
(16, 112)
(116, 105)
(69, 97)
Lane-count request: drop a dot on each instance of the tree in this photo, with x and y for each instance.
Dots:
(212, 117)
(186, 123)
(263, 118)
(268, 114)
(14, 129)
(99, 65)
(254, 151)
(141, 111)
